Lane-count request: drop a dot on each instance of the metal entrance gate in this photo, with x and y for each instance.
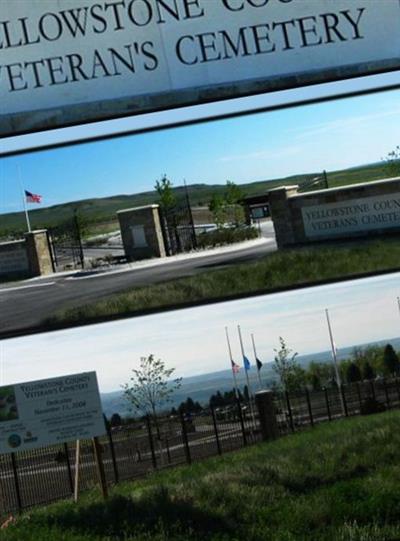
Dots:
(178, 229)
(66, 246)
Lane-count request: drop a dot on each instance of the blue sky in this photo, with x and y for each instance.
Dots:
(360, 310)
(332, 135)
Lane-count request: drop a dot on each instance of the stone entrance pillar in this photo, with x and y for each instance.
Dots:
(281, 215)
(38, 252)
(141, 232)
(267, 414)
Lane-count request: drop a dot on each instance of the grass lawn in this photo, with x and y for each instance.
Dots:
(339, 481)
(281, 269)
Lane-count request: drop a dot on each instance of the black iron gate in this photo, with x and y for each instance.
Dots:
(66, 246)
(178, 228)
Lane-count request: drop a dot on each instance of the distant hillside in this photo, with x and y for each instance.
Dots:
(200, 388)
(103, 210)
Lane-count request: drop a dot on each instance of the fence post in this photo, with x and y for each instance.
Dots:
(328, 409)
(112, 450)
(16, 481)
(239, 407)
(342, 394)
(153, 455)
(359, 394)
(397, 387)
(289, 411)
(216, 431)
(69, 471)
(371, 384)
(185, 440)
(168, 451)
(267, 414)
(309, 407)
(386, 393)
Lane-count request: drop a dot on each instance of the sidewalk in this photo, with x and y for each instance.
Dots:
(129, 267)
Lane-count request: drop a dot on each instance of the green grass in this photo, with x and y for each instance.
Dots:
(336, 482)
(278, 270)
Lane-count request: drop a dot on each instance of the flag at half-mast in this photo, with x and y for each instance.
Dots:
(32, 197)
(259, 364)
(235, 367)
(246, 363)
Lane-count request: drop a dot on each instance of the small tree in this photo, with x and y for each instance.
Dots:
(291, 375)
(353, 373)
(392, 162)
(319, 374)
(116, 419)
(390, 360)
(151, 386)
(368, 372)
(164, 188)
(218, 209)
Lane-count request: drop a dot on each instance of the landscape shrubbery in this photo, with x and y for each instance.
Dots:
(223, 236)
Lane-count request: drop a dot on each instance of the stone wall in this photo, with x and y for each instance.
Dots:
(365, 209)
(26, 258)
(13, 259)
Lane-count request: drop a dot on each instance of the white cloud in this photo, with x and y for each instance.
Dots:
(263, 154)
(345, 123)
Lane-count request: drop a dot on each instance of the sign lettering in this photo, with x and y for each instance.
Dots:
(67, 62)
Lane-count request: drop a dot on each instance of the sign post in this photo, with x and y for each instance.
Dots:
(77, 462)
(100, 467)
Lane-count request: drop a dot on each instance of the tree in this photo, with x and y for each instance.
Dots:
(218, 209)
(291, 375)
(166, 193)
(353, 373)
(151, 386)
(392, 162)
(227, 205)
(368, 371)
(320, 374)
(233, 195)
(390, 360)
(116, 419)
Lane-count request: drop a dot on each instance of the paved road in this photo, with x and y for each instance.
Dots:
(26, 304)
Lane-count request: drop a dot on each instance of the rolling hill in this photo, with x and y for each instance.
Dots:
(103, 210)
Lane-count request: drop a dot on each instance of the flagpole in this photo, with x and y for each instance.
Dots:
(231, 360)
(255, 360)
(334, 355)
(28, 223)
(247, 375)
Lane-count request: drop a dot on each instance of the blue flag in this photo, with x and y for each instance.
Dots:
(246, 363)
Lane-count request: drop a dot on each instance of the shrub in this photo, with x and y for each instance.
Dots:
(226, 236)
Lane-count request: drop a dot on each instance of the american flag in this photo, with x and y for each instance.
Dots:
(235, 367)
(32, 197)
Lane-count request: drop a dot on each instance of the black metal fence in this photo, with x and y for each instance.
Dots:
(305, 408)
(29, 478)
